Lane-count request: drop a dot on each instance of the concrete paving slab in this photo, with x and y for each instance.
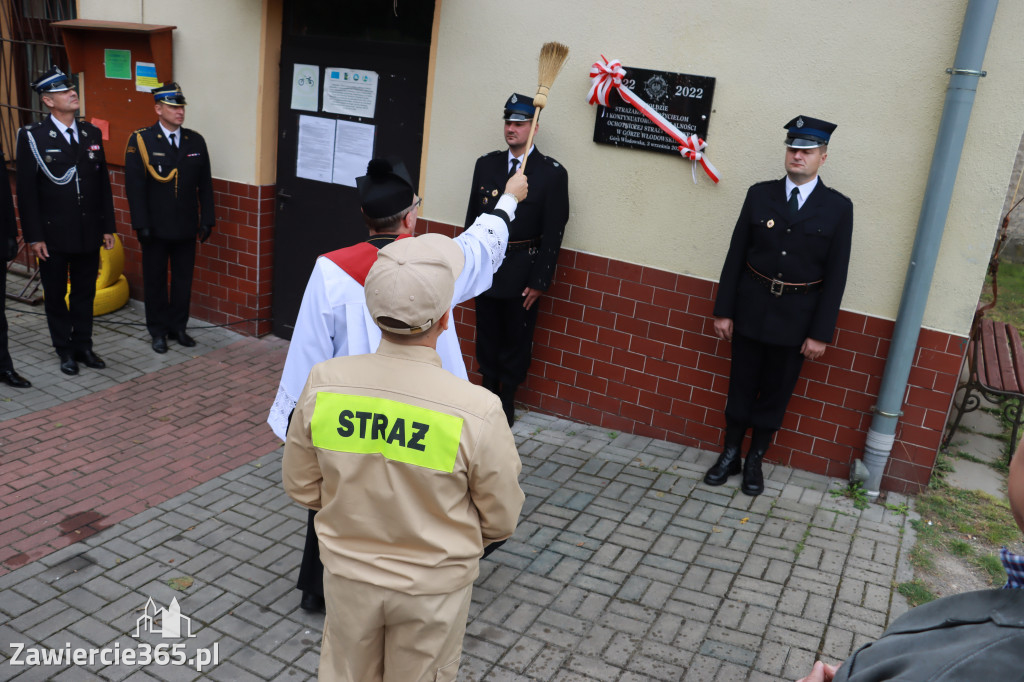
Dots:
(625, 565)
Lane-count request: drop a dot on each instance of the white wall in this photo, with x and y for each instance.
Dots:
(875, 67)
(216, 62)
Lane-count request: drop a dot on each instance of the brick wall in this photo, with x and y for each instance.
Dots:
(632, 349)
(234, 268)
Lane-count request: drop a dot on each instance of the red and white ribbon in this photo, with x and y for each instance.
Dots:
(606, 76)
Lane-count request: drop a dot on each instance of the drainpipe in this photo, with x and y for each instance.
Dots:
(963, 82)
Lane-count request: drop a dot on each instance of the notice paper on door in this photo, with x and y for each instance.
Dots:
(353, 149)
(350, 92)
(315, 157)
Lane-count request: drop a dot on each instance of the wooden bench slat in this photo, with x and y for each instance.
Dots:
(1017, 349)
(1007, 377)
(988, 372)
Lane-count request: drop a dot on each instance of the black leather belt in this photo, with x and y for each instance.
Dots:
(525, 244)
(778, 287)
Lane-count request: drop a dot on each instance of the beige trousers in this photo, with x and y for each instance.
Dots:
(373, 634)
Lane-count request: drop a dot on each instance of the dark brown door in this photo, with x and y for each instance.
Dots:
(315, 217)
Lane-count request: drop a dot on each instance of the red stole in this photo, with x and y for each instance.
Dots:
(357, 260)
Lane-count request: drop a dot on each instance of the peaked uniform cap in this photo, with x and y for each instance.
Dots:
(53, 80)
(169, 93)
(805, 132)
(519, 108)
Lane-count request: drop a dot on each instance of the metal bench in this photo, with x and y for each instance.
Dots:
(996, 373)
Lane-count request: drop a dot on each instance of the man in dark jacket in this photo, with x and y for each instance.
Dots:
(67, 212)
(9, 244)
(507, 312)
(170, 193)
(779, 294)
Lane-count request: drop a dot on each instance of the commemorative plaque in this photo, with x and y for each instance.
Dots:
(683, 99)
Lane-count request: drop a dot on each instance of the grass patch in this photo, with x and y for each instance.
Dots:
(964, 523)
(853, 491)
(916, 592)
(1011, 295)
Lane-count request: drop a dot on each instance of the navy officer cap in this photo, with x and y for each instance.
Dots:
(54, 80)
(169, 93)
(386, 189)
(806, 132)
(519, 108)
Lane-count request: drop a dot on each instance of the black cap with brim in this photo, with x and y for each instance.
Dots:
(54, 80)
(805, 132)
(386, 189)
(169, 93)
(519, 108)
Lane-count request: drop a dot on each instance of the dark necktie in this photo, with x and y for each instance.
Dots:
(794, 201)
(512, 166)
(174, 143)
(73, 142)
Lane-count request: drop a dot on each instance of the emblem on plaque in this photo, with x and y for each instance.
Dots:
(656, 87)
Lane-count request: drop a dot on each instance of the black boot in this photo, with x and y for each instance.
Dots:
(753, 479)
(508, 402)
(728, 463)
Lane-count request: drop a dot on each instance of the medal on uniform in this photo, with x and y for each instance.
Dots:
(494, 192)
(92, 155)
(53, 133)
(771, 223)
(48, 158)
(486, 200)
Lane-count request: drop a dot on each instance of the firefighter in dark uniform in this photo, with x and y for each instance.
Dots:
(9, 248)
(67, 213)
(170, 194)
(779, 295)
(507, 312)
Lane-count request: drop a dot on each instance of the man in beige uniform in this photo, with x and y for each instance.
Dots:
(412, 472)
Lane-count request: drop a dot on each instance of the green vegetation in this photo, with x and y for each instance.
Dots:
(916, 592)
(1010, 306)
(854, 491)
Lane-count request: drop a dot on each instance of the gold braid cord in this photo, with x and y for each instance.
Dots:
(173, 175)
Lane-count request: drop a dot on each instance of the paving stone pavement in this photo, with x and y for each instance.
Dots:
(624, 567)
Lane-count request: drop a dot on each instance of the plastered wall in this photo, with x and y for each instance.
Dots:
(217, 61)
(875, 67)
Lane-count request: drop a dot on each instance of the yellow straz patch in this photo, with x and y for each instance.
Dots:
(399, 432)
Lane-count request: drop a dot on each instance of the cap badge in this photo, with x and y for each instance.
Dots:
(771, 223)
(800, 122)
(513, 99)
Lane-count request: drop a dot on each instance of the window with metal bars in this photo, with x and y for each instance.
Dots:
(28, 46)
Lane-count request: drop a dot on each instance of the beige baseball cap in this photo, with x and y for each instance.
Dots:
(413, 281)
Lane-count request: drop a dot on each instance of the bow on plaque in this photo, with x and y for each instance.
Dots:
(606, 76)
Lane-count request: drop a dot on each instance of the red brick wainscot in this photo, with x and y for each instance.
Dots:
(234, 268)
(632, 349)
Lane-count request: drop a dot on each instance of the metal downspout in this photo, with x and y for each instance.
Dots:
(949, 144)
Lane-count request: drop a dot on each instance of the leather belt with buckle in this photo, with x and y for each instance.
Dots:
(778, 287)
(526, 244)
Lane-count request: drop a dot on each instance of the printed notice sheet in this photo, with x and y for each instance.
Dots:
(314, 160)
(350, 92)
(353, 149)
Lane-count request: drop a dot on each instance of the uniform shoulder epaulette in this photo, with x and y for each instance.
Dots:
(496, 152)
(32, 126)
(840, 194)
(763, 182)
(550, 161)
(143, 129)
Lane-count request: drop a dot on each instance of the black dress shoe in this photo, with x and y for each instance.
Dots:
(90, 359)
(12, 378)
(728, 464)
(183, 338)
(160, 344)
(313, 603)
(68, 365)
